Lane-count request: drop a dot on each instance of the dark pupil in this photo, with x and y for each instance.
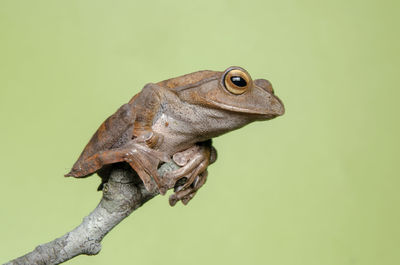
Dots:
(238, 81)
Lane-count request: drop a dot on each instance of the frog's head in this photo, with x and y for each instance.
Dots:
(232, 90)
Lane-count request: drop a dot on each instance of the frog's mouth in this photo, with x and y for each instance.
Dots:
(265, 107)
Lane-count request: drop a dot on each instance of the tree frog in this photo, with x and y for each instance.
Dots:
(176, 119)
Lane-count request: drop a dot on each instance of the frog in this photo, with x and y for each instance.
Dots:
(176, 120)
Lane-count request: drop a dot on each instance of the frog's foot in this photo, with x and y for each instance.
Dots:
(194, 162)
(145, 162)
(186, 194)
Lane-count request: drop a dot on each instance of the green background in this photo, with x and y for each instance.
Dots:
(316, 186)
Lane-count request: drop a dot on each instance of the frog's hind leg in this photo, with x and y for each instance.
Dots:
(142, 159)
(95, 162)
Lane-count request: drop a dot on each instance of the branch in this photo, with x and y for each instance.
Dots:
(122, 194)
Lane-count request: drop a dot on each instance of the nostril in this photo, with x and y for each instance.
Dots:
(264, 84)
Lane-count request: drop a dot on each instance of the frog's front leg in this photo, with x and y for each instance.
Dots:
(194, 162)
(185, 195)
(147, 104)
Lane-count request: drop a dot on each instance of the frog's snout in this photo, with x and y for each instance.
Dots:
(275, 105)
(280, 110)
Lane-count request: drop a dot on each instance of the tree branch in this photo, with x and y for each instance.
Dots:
(122, 194)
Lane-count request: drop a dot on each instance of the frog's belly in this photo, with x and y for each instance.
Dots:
(177, 135)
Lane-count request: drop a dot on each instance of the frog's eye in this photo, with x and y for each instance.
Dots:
(237, 81)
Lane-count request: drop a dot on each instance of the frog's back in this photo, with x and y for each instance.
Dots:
(112, 133)
(181, 82)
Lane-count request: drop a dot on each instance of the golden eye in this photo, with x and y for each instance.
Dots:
(237, 81)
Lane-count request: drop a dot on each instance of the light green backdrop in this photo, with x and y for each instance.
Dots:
(318, 186)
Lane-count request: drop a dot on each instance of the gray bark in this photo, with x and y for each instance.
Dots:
(122, 194)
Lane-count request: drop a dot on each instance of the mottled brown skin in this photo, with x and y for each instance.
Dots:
(176, 119)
